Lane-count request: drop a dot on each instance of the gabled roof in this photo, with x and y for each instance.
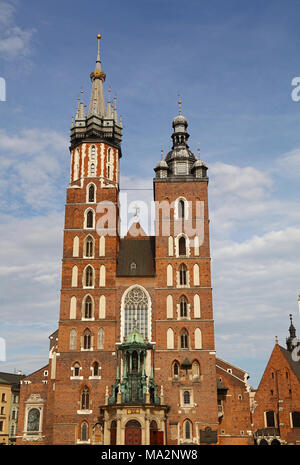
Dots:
(139, 252)
(293, 364)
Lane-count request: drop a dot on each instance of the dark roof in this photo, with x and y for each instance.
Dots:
(10, 378)
(294, 365)
(138, 251)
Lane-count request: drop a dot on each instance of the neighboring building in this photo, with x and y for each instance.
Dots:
(233, 404)
(9, 406)
(276, 409)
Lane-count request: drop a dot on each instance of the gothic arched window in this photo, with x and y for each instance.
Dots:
(187, 429)
(182, 275)
(182, 245)
(91, 193)
(90, 219)
(184, 339)
(87, 339)
(73, 338)
(181, 209)
(84, 432)
(88, 307)
(183, 307)
(175, 369)
(101, 338)
(89, 247)
(95, 369)
(89, 277)
(85, 398)
(76, 369)
(136, 307)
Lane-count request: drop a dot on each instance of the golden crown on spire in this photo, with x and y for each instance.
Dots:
(98, 74)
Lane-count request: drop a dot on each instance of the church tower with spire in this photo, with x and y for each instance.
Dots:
(133, 359)
(83, 355)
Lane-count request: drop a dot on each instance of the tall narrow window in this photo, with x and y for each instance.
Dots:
(76, 369)
(170, 339)
(93, 152)
(102, 306)
(89, 247)
(183, 307)
(270, 419)
(195, 369)
(181, 209)
(169, 275)
(84, 432)
(187, 429)
(73, 304)
(89, 276)
(74, 276)
(85, 398)
(295, 419)
(175, 369)
(95, 369)
(92, 170)
(88, 307)
(198, 338)
(196, 274)
(184, 339)
(91, 193)
(73, 339)
(76, 165)
(87, 339)
(102, 276)
(186, 397)
(76, 246)
(101, 338)
(90, 219)
(182, 245)
(182, 275)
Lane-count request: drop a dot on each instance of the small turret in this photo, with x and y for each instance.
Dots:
(290, 343)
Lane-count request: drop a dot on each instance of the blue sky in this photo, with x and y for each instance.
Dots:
(233, 63)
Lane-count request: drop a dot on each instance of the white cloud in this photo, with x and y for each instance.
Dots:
(15, 42)
(289, 164)
(33, 164)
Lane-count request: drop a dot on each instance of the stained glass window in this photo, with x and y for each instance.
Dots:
(136, 309)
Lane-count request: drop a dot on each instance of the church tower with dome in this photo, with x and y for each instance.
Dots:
(133, 360)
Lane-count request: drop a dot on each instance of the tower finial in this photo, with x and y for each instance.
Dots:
(97, 78)
(162, 153)
(179, 103)
(198, 150)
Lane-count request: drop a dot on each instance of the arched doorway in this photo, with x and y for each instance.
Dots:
(133, 433)
(113, 433)
(153, 433)
(275, 442)
(263, 442)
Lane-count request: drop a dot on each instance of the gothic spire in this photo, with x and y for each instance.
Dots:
(97, 104)
(290, 340)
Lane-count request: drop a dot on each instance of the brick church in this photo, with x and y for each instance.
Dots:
(133, 360)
